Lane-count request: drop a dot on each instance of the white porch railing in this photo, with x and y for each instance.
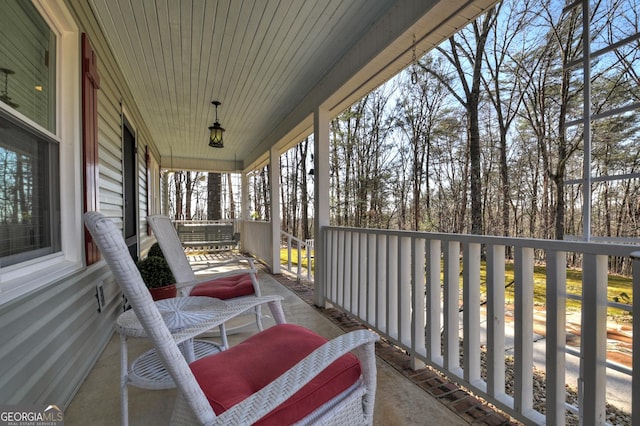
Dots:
(255, 238)
(304, 252)
(422, 291)
(234, 222)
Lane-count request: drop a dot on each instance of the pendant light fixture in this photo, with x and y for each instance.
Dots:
(216, 131)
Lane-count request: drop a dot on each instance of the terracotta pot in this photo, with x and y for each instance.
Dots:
(165, 292)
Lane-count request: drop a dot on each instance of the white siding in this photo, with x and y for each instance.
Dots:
(52, 337)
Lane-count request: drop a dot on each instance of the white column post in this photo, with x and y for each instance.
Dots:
(274, 186)
(321, 199)
(244, 206)
(244, 188)
(165, 193)
(635, 380)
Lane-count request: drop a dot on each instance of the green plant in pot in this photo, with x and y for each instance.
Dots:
(157, 276)
(155, 250)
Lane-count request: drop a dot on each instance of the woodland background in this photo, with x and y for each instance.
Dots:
(478, 136)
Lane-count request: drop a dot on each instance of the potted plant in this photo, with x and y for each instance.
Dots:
(155, 250)
(157, 276)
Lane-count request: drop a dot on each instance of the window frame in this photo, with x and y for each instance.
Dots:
(51, 193)
(21, 278)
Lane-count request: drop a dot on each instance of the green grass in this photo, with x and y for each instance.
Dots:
(294, 257)
(620, 289)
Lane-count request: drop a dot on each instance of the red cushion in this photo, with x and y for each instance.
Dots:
(235, 374)
(225, 288)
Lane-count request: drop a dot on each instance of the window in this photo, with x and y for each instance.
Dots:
(40, 199)
(27, 67)
(29, 203)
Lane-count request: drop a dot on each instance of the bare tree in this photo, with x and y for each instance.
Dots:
(421, 106)
(505, 82)
(178, 180)
(232, 201)
(465, 53)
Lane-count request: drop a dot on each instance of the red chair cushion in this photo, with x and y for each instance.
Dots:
(233, 375)
(225, 288)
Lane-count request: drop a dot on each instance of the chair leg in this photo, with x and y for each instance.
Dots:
(187, 350)
(259, 317)
(277, 312)
(223, 336)
(124, 391)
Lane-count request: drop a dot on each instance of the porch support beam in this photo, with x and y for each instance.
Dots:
(321, 199)
(635, 381)
(165, 193)
(274, 186)
(244, 189)
(244, 208)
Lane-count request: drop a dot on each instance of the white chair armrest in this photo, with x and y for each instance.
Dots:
(275, 393)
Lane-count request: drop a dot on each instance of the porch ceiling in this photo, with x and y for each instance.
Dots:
(269, 62)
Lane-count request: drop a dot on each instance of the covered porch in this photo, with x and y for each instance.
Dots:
(161, 65)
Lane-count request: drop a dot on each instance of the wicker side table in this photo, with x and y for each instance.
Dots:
(186, 318)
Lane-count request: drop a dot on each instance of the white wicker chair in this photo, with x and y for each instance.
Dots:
(352, 405)
(222, 285)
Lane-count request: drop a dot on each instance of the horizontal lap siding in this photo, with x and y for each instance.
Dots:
(52, 337)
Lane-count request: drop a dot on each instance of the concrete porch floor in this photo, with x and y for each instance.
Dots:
(399, 401)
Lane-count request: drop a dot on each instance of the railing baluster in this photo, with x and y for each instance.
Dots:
(405, 283)
(308, 249)
(452, 307)
(344, 268)
(299, 271)
(556, 337)
(593, 340)
(381, 283)
(392, 286)
(495, 320)
(362, 275)
(354, 277)
(328, 263)
(434, 302)
(418, 307)
(523, 324)
(348, 272)
(471, 313)
(372, 281)
(288, 253)
(337, 272)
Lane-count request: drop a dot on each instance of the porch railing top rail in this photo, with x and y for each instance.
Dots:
(586, 247)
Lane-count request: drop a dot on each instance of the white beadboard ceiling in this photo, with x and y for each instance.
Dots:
(269, 62)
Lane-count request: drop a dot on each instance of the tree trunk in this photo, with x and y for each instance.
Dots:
(188, 192)
(177, 181)
(214, 202)
(232, 201)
